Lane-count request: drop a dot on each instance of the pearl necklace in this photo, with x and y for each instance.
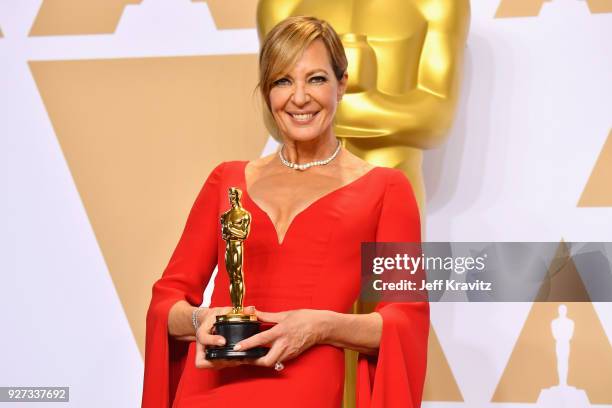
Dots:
(305, 166)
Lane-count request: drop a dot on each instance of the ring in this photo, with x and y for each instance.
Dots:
(278, 366)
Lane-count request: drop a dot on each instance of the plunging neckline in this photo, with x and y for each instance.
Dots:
(280, 241)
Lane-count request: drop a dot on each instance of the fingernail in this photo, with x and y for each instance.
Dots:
(221, 342)
(237, 347)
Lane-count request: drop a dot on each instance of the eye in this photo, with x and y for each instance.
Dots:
(281, 82)
(318, 79)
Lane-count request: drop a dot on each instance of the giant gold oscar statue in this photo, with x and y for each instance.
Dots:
(405, 62)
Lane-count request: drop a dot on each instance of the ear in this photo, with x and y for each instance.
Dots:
(342, 86)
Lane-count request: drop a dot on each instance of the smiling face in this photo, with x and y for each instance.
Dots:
(303, 101)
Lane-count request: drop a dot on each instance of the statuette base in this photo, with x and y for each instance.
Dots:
(234, 332)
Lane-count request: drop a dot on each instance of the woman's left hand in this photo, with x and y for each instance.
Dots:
(295, 332)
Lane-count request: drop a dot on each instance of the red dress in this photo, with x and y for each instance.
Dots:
(317, 266)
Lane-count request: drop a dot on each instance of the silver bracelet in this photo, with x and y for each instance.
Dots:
(194, 318)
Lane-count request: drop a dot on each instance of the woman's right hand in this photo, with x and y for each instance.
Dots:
(205, 337)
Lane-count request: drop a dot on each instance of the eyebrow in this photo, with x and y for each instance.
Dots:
(312, 71)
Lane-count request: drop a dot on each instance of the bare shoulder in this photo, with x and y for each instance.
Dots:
(353, 165)
(260, 166)
(261, 162)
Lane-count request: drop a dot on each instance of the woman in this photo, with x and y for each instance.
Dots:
(312, 205)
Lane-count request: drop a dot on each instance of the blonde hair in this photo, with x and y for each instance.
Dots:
(283, 46)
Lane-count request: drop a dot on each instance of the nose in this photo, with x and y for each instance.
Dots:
(300, 95)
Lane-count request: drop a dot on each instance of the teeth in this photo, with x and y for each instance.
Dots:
(302, 117)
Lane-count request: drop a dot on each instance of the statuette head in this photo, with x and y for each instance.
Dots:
(234, 195)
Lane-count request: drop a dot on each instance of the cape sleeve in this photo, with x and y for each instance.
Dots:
(185, 278)
(395, 377)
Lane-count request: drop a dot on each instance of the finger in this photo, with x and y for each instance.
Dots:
(211, 318)
(258, 339)
(269, 316)
(272, 357)
(249, 310)
(202, 362)
(200, 357)
(218, 311)
(208, 324)
(286, 355)
(210, 339)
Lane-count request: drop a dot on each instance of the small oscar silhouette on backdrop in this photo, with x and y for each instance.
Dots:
(235, 325)
(562, 395)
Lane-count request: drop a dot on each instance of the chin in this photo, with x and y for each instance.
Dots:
(304, 134)
(300, 136)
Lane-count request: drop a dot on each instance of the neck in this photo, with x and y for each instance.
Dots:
(307, 151)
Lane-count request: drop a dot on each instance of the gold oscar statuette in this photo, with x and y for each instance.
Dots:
(235, 325)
